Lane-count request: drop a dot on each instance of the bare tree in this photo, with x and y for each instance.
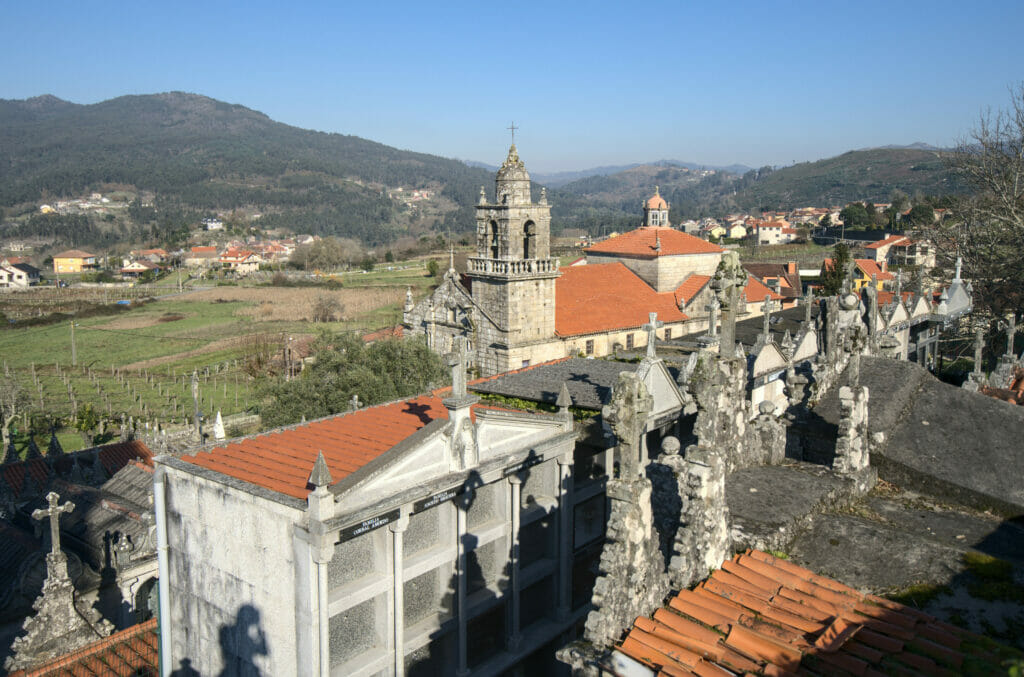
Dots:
(13, 399)
(327, 308)
(987, 228)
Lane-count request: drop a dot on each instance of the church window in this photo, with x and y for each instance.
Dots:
(629, 341)
(529, 239)
(590, 347)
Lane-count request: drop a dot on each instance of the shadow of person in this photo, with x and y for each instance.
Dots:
(242, 642)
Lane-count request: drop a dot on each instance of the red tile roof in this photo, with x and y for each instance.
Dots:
(642, 242)
(387, 332)
(690, 287)
(755, 291)
(132, 652)
(869, 268)
(113, 457)
(74, 254)
(281, 460)
(601, 297)
(892, 239)
(760, 614)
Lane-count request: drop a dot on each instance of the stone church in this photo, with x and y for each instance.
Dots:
(517, 307)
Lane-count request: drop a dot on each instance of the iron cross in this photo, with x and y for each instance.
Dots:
(512, 127)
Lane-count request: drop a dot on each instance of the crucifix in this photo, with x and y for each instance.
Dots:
(512, 128)
(808, 303)
(712, 307)
(767, 308)
(457, 361)
(53, 512)
(652, 333)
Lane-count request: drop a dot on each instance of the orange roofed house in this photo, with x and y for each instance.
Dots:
(74, 261)
(424, 536)
(517, 307)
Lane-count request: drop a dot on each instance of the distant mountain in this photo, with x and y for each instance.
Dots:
(198, 155)
(857, 175)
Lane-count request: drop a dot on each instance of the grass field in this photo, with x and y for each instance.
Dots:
(139, 362)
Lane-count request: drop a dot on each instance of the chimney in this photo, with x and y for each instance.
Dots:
(885, 265)
(791, 268)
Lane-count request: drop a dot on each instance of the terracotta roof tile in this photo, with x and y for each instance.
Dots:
(281, 460)
(892, 239)
(690, 287)
(759, 614)
(645, 242)
(755, 291)
(869, 268)
(607, 296)
(132, 651)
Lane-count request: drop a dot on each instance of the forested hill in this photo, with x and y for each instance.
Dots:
(871, 174)
(196, 153)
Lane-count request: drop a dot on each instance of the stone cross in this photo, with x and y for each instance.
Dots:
(959, 264)
(1011, 329)
(652, 333)
(808, 303)
(53, 512)
(712, 308)
(354, 403)
(979, 340)
(766, 307)
(457, 361)
(729, 280)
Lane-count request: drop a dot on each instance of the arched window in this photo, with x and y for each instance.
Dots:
(146, 601)
(529, 240)
(494, 239)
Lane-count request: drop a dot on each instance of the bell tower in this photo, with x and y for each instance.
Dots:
(513, 274)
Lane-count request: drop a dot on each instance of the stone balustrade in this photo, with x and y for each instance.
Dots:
(516, 267)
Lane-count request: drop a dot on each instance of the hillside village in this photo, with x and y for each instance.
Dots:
(617, 426)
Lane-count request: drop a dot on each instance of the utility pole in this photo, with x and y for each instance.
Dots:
(74, 348)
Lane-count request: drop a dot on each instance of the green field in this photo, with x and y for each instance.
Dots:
(139, 362)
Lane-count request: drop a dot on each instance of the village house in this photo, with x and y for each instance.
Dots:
(74, 261)
(18, 275)
(240, 261)
(134, 269)
(201, 257)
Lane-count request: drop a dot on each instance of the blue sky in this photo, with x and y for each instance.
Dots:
(587, 83)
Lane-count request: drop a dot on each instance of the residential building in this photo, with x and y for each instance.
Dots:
(74, 261)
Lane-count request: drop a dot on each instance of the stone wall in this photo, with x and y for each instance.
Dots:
(633, 580)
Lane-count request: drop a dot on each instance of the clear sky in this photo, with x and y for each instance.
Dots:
(588, 83)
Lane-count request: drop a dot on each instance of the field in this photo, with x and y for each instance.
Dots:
(139, 362)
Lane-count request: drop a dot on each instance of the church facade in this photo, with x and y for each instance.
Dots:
(517, 307)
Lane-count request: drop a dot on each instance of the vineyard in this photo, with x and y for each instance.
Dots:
(135, 362)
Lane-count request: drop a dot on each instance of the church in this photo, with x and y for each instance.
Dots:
(517, 307)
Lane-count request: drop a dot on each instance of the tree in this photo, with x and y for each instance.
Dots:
(987, 228)
(854, 215)
(432, 267)
(327, 308)
(825, 221)
(832, 275)
(920, 215)
(345, 366)
(13, 399)
(899, 200)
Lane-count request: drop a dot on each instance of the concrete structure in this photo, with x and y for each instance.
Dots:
(426, 535)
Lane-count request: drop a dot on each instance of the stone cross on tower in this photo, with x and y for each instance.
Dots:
(712, 308)
(53, 512)
(766, 308)
(512, 128)
(652, 333)
(959, 264)
(457, 361)
(1011, 329)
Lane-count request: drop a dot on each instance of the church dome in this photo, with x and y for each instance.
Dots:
(656, 201)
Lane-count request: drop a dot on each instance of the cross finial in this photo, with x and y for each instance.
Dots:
(457, 361)
(512, 128)
(959, 264)
(53, 512)
(652, 333)
(767, 308)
